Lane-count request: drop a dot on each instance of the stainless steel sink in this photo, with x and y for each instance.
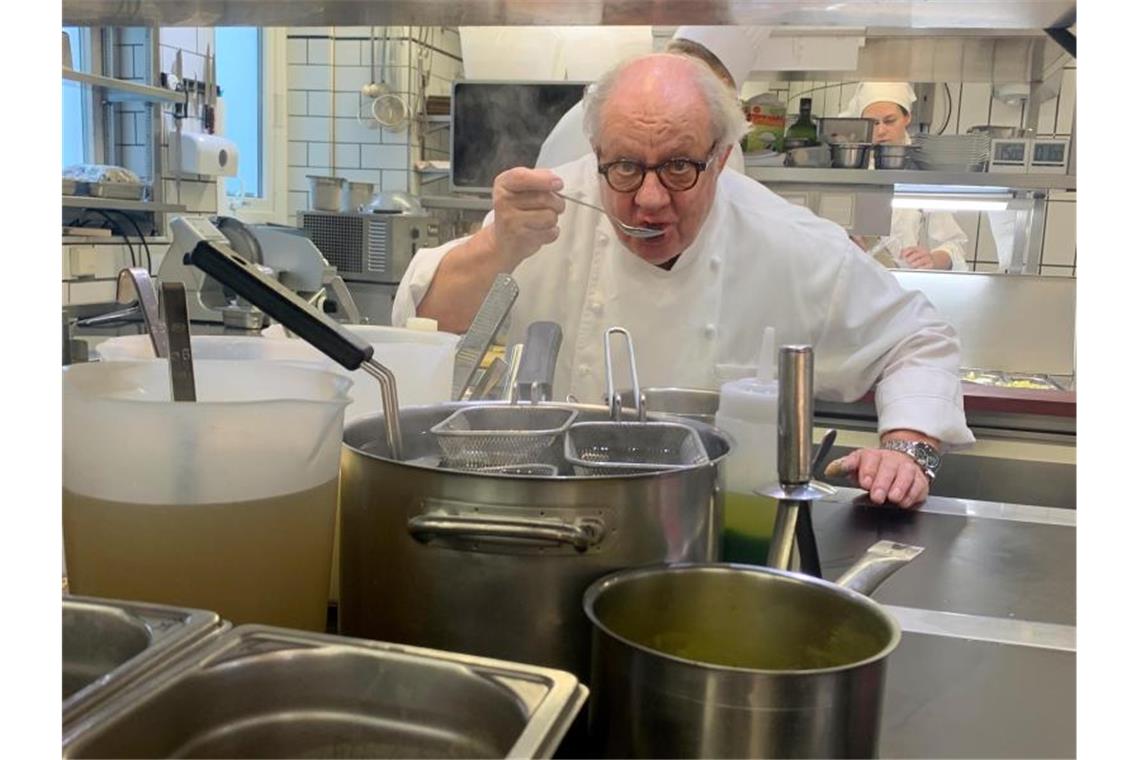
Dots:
(267, 692)
(107, 644)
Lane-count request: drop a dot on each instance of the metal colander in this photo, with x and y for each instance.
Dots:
(612, 448)
(478, 437)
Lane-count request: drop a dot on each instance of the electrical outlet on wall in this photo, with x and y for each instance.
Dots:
(81, 261)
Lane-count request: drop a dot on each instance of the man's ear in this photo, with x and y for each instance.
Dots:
(723, 158)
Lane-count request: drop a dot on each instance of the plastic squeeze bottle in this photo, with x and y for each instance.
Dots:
(748, 413)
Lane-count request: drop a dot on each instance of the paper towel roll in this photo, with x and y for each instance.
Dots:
(208, 154)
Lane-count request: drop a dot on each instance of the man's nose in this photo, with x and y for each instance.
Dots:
(652, 195)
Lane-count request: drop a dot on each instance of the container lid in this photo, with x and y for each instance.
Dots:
(753, 397)
(422, 323)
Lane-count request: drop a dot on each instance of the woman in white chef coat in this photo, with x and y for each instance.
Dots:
(928, 239)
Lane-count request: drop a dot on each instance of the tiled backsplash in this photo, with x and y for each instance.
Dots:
(331, 129)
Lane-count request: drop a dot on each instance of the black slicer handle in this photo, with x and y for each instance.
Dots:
(539, 357)
(318, 330)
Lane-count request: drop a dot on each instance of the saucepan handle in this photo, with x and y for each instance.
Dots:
(877, 564)
(581, 534)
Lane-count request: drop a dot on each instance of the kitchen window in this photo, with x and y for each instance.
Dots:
(250, 70)
(77, 130)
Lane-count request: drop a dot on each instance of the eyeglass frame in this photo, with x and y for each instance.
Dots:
(701, 166)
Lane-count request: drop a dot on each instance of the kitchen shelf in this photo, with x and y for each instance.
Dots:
(87, 201)
(775, 174)
(121, 91)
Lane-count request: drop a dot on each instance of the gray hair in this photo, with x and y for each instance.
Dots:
(726, 114)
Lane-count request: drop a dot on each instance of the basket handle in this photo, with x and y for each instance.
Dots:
(582, 534)
(613, 399)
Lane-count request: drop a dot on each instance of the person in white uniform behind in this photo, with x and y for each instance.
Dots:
(728, 50)
(733, 258)
(928, 239)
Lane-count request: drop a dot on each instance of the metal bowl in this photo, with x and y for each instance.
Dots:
(891, 156)
(850, 155)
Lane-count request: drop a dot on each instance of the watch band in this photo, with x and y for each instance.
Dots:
(924, 455)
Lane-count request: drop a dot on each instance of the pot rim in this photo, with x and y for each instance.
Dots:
(598, 587)
(452, 406)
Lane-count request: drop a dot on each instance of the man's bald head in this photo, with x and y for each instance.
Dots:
(665, 80)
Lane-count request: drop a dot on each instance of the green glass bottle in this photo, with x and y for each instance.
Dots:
(802, 133)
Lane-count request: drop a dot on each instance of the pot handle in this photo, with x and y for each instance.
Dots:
(581, 535)
(877, 564)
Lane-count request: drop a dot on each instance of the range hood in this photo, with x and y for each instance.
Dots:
(885, 14)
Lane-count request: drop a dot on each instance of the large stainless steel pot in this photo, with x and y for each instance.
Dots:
(726, 660)
(494, 564)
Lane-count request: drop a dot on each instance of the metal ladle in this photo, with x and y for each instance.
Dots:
(629, 229)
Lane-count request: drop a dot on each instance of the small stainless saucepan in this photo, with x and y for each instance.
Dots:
(720, 660)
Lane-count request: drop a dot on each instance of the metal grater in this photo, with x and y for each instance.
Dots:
(484, 327)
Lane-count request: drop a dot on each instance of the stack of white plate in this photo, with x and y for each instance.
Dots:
(957, 153)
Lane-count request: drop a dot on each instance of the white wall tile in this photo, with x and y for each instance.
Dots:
(395, 181)
(351, 78)
(297, 177)
(347, 52)
(320, 51)
(1047, 117)
(383, 156)
(986, 266)
(346, 156)
(313, 128)
(298, 153)
(296, 51)
(200, 197)
(349, 104)
(320, 103)
(125, 59)
(1050, 271)
(1060, 234)
(298, 103)
(1067, 102)
(309, 31)
(348, 129)
(320, 154)
(65, 297)
(91, 292)
(1004, 114)
(975, 106)
(361, 175)
(310, 77)
(297, 202)
(395, 137)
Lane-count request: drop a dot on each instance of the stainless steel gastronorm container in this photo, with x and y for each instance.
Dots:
(263, 692)
(495, 564)
(109, 644)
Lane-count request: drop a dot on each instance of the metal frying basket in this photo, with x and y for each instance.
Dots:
(620, 447)
(501, 435)
(611, 448)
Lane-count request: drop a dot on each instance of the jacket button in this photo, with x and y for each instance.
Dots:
(714, 263)
(596, 307)
(583, 369)
(710, 330)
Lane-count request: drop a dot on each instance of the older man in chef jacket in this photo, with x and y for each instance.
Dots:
(729, 52)
(732, 258)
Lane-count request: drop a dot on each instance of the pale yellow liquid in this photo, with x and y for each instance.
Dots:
(748, 521)
(262, 561)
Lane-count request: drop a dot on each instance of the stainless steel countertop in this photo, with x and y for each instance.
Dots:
(987, 664)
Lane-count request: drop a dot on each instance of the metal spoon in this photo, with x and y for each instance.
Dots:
(635, 232)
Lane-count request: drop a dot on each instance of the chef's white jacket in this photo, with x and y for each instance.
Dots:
(567, 142)
(934, 230)
(757, 261)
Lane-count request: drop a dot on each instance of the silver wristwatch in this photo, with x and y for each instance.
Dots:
(921, 452)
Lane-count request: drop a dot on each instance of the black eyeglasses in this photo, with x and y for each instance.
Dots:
(678, 174)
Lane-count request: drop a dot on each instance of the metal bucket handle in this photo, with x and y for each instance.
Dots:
(612, 397)
(581, 534)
